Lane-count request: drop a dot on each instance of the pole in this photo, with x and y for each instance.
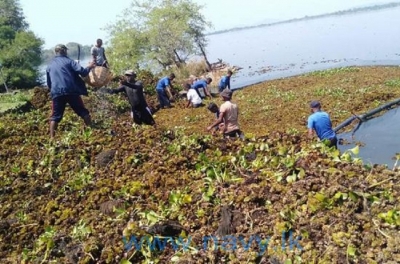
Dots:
(79, 52)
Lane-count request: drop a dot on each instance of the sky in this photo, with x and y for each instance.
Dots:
(83, 21)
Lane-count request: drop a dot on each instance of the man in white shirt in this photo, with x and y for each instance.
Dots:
(194, 100)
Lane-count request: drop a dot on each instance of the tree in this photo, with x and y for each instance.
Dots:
(20, 49)
(158, 32)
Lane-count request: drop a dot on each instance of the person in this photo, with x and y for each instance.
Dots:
(163, 89)
(66, 87)
(201, 87)
(225, 81)
(99, 54)
(213, 108)
(320, 122)
(229, 113)
(134, 90)
(194, 99)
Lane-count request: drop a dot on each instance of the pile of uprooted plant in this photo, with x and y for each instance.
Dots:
(276, 197)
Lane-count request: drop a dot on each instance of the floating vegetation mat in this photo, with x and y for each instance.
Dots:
(119, 193)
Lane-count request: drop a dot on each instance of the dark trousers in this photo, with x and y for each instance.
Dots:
(163, 98)
(142, 116)
(234, 133)
(59, 103)
(332, 142)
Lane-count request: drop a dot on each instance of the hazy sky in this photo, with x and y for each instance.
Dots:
(82, 21)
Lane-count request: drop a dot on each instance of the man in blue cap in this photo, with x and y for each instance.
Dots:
(321, 123)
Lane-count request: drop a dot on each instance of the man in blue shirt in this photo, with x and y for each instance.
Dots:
(321, 123)
(163, 87)
(201, 87)
(225, 81)
(66, 87)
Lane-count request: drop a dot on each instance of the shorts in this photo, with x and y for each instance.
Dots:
(59, 103)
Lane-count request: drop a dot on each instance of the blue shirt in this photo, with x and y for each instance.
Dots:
(321, 123)
(225, 82)
(200, 87)
(163, 83)
(63, 78)
(199, 84)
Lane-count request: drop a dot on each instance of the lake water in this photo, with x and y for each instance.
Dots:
(370, 38)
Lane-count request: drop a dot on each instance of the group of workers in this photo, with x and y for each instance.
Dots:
(66, 87)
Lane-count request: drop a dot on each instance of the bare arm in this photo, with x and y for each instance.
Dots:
(168, 89)
(217, 122)
(310, 133)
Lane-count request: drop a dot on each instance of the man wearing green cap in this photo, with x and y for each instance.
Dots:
(66, 87)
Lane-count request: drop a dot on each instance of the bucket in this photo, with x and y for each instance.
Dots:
(98, 77)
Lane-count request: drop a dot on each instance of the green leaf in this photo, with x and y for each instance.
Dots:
(125, 261)
(351, 251)
(355, 150)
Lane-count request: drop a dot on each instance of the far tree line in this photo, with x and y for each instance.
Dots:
(152, 35)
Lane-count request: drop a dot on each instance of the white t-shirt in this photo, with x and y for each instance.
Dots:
(193, 97)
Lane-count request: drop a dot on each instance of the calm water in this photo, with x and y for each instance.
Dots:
(381, 137)
(370, 38)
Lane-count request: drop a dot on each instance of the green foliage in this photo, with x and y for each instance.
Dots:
(157, 33)
(331, 72)
(20, 49)
(393, 83)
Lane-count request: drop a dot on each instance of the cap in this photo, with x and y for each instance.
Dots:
(226, 93)
(130, 73)
(315, 104)
(60, 47)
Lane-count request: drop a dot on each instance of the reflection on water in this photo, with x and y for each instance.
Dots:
(380, 135)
